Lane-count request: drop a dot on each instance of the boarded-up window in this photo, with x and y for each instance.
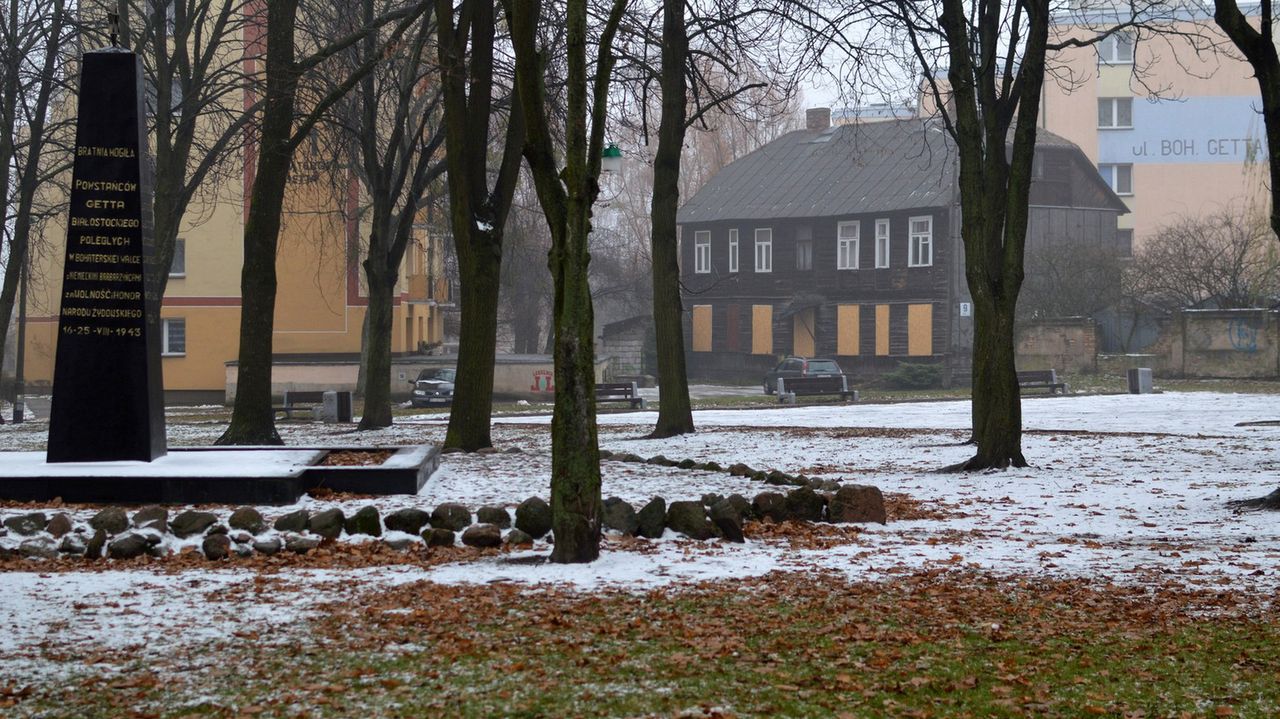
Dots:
(762, 329)
(733, 328)
(702, 328)
(919, 330)
(802, 334)
(847, 327)
(882, 330)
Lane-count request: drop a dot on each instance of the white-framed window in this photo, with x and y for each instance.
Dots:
(882, 242)
(1115, 113)
(1124, 243)
(1116, 49)
(733, 250)
(764, 250)
(921, 254)
(702, 252)
(178, 268)
(847, 245)
(173, 336)
(1119, 177)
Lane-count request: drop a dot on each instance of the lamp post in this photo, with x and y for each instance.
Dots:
(611, 159)
(19, 379)
(611, 166)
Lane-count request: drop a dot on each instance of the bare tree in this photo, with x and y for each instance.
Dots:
(35, 45)
(567, 194)
(280, 134)
(710, 54)
(1228, 258)
(982, 65)
(390, 130)
(526, 287)
(477, 209)
(1256, 41)
(1069, 278)
(194, 56)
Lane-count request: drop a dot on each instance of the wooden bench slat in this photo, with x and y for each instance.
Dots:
(619, 392)
(1041, 378)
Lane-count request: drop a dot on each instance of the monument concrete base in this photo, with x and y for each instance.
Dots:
(213, 475)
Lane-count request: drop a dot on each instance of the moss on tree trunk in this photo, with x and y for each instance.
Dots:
(469, 419)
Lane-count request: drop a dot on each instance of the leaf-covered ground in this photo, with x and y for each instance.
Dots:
(1108, 579)
(932, 644)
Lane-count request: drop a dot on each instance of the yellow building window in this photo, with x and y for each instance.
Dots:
(762, 329)
(847, 329)
(702, 328)
(882, 330)
(802, 333)
(919, 330)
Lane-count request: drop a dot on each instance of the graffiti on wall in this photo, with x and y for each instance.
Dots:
(1234, 334)
(542, 381)
(1243, 335)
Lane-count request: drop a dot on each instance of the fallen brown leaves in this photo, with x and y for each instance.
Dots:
(355, 457)
(928, 644)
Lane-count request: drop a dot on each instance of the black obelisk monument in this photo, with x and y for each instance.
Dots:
(107, 390)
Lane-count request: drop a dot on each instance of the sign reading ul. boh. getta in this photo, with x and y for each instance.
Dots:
(107, 391)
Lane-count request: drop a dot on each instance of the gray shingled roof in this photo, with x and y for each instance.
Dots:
(848, 169)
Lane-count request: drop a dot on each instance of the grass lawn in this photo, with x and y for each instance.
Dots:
(926, 645)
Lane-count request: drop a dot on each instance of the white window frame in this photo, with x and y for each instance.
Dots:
(165, 324)
(179, 251)
(1111, 173)
(848, 246)
(1113, 105)
(764, 249)
(702, 252)
(882, 243)
(1108, 49)
(733, 250)
(920, 248)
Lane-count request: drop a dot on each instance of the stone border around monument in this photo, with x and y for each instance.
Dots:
(217, 475)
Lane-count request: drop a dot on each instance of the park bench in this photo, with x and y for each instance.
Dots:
(619, 392)
(1041, 379)
(791, 387)
(307, 401)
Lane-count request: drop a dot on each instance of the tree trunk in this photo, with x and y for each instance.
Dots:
(994, 188)
(1259, 49)
(566, 196)
(997, 402)
(675, 416)
(377, 348)
(252, 420)
(480, 265)
(575, 454)
(477, 215)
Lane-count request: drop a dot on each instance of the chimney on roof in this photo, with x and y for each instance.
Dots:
(817, 119)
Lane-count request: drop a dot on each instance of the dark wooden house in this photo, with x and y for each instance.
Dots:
(845, 242)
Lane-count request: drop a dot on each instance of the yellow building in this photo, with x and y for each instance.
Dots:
(1172, 127)
(320, 306)
(321, 299)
